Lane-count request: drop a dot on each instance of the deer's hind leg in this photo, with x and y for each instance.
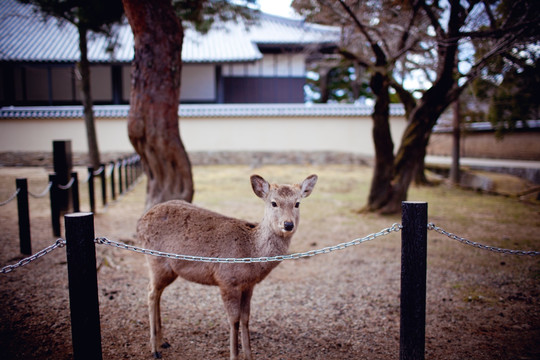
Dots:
(161, 275)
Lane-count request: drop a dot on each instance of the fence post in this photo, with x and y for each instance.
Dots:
(55, 205)
(413, 280)
(126, 172)
(75, 192)
(63, 164)
(120, 181)
(91, 192)
(24, 216)
(103, 177)
(83, 288)
(113, 190)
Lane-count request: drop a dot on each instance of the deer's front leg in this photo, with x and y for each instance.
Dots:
(232, 300)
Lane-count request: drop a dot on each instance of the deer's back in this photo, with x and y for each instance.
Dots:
(180, 226)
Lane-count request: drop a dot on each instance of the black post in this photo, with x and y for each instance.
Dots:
(91, 192)
(113, 190)
(126, 171)
(83, 288)
(132, 169)
(103, 177)
(63, 166)
(55, 205)
(24, 217)
(120, 182)
(75, 192)
(413, 281)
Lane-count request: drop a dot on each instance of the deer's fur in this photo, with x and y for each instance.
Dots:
(179, 227)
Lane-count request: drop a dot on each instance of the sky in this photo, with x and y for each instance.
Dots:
(277, 7)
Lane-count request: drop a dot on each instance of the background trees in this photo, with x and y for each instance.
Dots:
(392, 39)
(96, 17)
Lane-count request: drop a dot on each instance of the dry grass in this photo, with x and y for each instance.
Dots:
(344, 305)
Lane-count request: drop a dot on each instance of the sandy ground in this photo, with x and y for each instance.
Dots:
(343, 305)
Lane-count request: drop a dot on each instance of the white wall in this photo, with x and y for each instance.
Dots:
(280, 65)
(347, 134)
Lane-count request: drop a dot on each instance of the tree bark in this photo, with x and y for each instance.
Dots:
(456, 134)
(381, 187)
(153, 117)
(84, 68)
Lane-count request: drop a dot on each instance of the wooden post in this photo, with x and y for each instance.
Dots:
(120, 181)
(91, 192)
(113, 190)
(103, 177)
(413, 281)
(63, 166)
(75, 192)
(83, 288)
(126, 172)
(55, 205)
(24, 216)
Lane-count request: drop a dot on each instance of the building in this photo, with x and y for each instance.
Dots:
(242, 88)
(233, 63)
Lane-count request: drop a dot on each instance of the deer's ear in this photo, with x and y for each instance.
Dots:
(308, 185)
(260, 186)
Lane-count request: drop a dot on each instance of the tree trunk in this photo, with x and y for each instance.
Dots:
(456, 134)
(381, 188)
(84, 68)
(153, 116)
(410, 156)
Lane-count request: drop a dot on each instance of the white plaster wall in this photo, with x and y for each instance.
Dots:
(346, 134)
(280, 65)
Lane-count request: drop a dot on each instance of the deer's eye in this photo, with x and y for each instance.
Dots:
(274, 204)
(297, 205)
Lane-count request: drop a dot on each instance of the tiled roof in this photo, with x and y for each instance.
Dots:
(205, 110)
(26, 36)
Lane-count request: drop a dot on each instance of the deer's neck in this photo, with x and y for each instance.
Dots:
(269, 243)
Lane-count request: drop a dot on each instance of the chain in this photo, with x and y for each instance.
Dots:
(432, 226)
(99, 171)
(383, 232)
(13, 196)
(68, 185)
(9, 268)
(42, 194)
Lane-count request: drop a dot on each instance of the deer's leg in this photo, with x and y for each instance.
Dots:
(161, 275)
(232, 300)
(244, 322)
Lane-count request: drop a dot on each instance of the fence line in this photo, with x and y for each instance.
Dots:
(43, 193)
(294, 256)
(81, 250)
(54, 189)
(11, 198)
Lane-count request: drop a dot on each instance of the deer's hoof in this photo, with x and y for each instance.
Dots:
(165, 345)
(157, 355)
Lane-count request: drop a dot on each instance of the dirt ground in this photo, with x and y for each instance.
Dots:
(342, 305)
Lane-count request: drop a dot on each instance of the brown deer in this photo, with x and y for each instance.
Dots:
(182, 228)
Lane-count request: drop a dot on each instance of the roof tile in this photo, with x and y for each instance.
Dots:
(26, 36)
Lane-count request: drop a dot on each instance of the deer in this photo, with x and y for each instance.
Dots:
(180, 227)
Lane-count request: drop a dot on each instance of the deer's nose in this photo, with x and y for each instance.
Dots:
(288, 225)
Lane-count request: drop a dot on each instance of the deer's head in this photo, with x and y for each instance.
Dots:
(282, 202)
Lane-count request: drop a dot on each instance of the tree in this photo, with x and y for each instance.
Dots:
(95, 16)
(400, 34)
(155, 95)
